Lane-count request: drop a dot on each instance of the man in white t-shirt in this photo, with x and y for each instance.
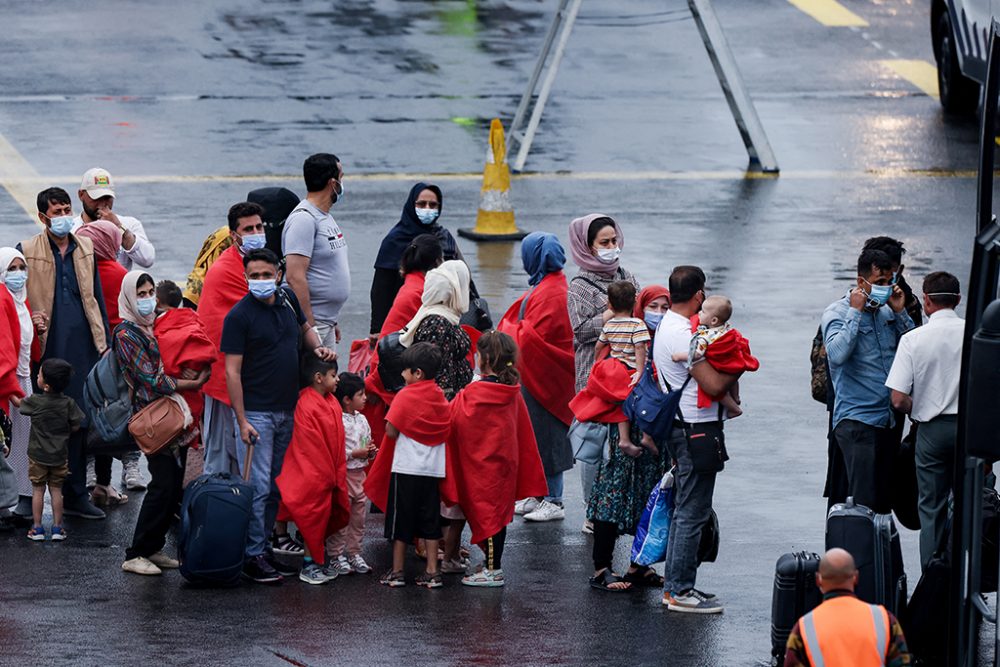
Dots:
(924, 380)
(315, 249)
(97, 197)
(696, 442)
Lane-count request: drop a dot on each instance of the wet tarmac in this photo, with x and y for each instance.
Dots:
(191, 105)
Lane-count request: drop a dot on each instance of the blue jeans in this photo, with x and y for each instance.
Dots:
(692, 509)
(274, 430)
(555, 483)
(219, 433)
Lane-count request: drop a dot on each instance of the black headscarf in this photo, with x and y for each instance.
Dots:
(409, 227)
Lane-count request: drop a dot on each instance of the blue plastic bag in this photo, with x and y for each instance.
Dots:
(653, 531)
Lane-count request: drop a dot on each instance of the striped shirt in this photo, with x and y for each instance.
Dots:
(587, 300)
(622, 334)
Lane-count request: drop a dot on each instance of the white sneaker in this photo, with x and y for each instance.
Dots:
(132, 476)
(692, 602)
(588, 527)
(163, 561)
(341, 565)
(546, 512)
(358, 564)
(522, 507)
(140, 565)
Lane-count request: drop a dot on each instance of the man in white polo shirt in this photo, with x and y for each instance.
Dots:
(924, 382)
(97, 197)
(696, 443)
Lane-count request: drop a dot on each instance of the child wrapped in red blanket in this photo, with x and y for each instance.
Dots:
(722, 346)
(492, 453)
(313, 479)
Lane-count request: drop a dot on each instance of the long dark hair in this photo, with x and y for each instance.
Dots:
(499, 351)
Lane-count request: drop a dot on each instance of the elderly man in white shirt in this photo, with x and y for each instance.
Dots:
(97, 196)
(924, 381)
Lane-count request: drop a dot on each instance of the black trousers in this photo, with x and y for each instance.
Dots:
(163, 496)
(869, 453)
(102, 468)
(75, 487)
(605, 538)
(493, 549)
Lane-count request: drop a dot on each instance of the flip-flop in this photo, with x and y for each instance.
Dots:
(603, 581)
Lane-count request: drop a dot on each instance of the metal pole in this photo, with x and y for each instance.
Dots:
(747, 122)
(550, 77)
(522, 108)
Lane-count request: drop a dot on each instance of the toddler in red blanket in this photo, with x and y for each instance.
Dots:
(722, 346)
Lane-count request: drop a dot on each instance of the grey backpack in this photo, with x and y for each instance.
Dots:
(108, 402)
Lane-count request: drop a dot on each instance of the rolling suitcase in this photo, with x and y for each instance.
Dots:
(795, 594)
(215, 518)
(874, 542)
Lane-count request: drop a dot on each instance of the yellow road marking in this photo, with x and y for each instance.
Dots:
(830, 13)
(920, 73)
(16, 175)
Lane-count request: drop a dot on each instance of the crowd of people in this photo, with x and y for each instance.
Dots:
(445, 422)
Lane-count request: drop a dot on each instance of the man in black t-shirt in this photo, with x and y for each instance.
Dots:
(260, 338)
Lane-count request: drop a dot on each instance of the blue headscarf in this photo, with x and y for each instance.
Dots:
(541, 254)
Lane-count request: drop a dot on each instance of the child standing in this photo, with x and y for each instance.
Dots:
(53, 418)
(313, 479)
(408, 476)
(344, 548)
(493, 453)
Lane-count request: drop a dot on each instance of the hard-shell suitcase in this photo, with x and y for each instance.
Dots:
(795, 594)
(874, 542)
(215, 519)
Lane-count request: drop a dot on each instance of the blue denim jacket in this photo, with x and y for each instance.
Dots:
(860, 347)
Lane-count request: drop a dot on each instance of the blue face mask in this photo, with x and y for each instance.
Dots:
(61, 226)
(263, 289)
(253, 242)
(879, 295)
(340, 195)
(15, 280)
(652, 319)
(427, 216)
(146, 306)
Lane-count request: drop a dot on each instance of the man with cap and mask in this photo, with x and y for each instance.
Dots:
(65, 292)
(97, 197)
(861, 332)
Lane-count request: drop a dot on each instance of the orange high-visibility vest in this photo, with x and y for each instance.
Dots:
(844, 631)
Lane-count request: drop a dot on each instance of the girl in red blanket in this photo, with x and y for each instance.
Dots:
(492, 453)
(723, 347)
(313, 479)
(408, 480)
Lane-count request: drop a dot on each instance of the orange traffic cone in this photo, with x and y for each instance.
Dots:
(495, 219)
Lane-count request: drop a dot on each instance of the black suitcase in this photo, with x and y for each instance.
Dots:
(795, 594)
(925, 619)
(874, 542)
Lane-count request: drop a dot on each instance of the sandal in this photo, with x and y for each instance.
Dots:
(604, 580)
(106, 496)
(644, 576)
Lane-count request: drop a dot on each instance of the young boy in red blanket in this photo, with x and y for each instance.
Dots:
(184, 346)
(492, 453)
(408, 480)
(313, 479)
(723, 347)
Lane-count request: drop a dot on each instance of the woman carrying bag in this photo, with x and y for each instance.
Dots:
(139, 358)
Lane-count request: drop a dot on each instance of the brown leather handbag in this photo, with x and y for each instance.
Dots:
(157, 425)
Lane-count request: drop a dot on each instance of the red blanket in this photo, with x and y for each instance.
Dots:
(111, 273)
(313, 479)
(225, 284)
(184, 345)
(601, 400)
(493, 455)
(404, 307)
(10, 349)
(545, 339)
(422, 413)
(729, 354)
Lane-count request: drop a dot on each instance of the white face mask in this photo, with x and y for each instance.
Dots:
(609, 255)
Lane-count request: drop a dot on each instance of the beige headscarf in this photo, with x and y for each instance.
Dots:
(446, 293)
(128, 308)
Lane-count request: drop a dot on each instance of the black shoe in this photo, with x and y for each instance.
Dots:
(258, 570)
(83, 508)
(19, 521)
(279, 567)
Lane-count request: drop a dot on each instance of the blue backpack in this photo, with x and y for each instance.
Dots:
(651, 409)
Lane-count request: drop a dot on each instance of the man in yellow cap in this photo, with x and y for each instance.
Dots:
(844, 631)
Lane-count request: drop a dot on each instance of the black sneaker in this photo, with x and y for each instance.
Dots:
(83, 508)
(279, 567)
(286, 545)
(258, 570)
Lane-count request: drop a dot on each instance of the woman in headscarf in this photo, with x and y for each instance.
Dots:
(107, 238)
(139, 358)
(422, 255)
(421, 215)
(653, 301)
(539, 324)
(595, 242)
(18, 347)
